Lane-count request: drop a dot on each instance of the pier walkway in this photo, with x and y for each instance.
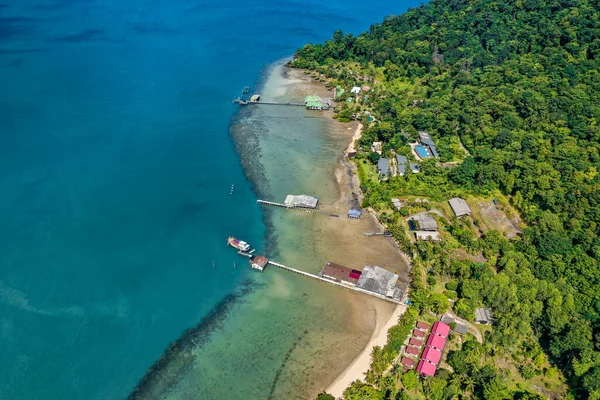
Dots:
(305, 209)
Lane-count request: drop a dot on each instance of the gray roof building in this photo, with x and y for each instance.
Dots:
(415, 168)
(425, 138)
(379, 280)
(401, 159)
(484, 316)
(433, 150)
(383, 167)
(301, 200)
(426, 222)
(459, 206)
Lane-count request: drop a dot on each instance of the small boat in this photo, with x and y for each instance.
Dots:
(238, 244)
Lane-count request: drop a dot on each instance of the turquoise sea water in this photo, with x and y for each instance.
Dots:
(115, 172)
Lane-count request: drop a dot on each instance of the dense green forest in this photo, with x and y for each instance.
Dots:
(518, 82)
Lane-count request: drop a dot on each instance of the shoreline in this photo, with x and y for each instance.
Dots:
(361, 364)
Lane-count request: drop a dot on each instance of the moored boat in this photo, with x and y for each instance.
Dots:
(238, 244)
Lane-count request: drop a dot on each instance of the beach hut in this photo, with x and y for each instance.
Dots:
(354, 213)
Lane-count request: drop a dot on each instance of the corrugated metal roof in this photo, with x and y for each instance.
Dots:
(459, 206)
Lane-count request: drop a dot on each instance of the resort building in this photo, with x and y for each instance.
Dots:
(397, 204)
(413, 351)
(441, 329)
(408, 362)
(459, 206)
(426, 369)
(484, 316)
(379, 280)
(432, 355)
(259, 263)
(401, 162)
(415, 342)
(383, 168)
(458, 328)
(314, 102)
(415, 168)
(423, 326)
(428, 144)
(425, 222)
(418, 333)
(341, 274)
(437, 342)
(301, 200)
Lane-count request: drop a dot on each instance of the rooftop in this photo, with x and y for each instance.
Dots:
(425, 221)
(418, 333)
(432, 355)
(340, 273)
(436, 341)
(441, 329)
(424, 235)
(415, 342)
(459, 206)
(383, 166)
(423, 326)
(261, 261)
(301, 200)
(425, 368)
(483, 315)
(408, 362)
(426, 139)
(379, 280)
(412, 350)
(401, 159)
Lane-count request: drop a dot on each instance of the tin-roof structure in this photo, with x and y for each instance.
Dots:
(301, 200)
(432, 355)
(383, 167)
(484, 316)
(425, 222)
(459, 206)
(426, 369)
(436, 341)
(379, 280)
(440, 328)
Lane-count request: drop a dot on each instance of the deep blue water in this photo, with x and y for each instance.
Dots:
(115, 172)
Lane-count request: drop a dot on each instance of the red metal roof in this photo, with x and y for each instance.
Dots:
(415, 342)
(340, 273)
(412, 350)
(425, 368)
(423, 326)
(418, 333)
(432, 355)
(441, 329)
(408, 362)
(260, 260)
(436, 341)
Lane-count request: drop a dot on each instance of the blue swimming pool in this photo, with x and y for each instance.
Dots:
(422, 151)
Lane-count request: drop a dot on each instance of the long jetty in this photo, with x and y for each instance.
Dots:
(269, 103)
(305, 209)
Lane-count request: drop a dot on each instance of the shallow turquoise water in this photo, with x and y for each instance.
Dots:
(115, 172)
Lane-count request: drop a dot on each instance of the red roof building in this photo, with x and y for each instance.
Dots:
(436, 341)
(425, 368)
(422, 326)
(408, 362)
(441, 329)
(412, 350)
(416, 342)
(432, 355)
(341, 274)
(418, 333)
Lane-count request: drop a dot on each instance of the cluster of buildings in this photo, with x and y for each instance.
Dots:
(402, 163)
(431, 350)
(384, 167)
(371, 278)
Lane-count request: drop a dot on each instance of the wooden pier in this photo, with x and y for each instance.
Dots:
(305, 209)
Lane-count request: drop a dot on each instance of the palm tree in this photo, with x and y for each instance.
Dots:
(469, 384)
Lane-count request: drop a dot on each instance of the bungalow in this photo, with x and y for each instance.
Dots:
(397, 203)
(425, 222)
(412, 350)
(425, 235)
(259, 263)
(415, 168)
(354, 213)
(422, 326)
(408, 362)
(418, 333)
(460, 207)
(314, 102)
(415, 342)
(383, 168)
